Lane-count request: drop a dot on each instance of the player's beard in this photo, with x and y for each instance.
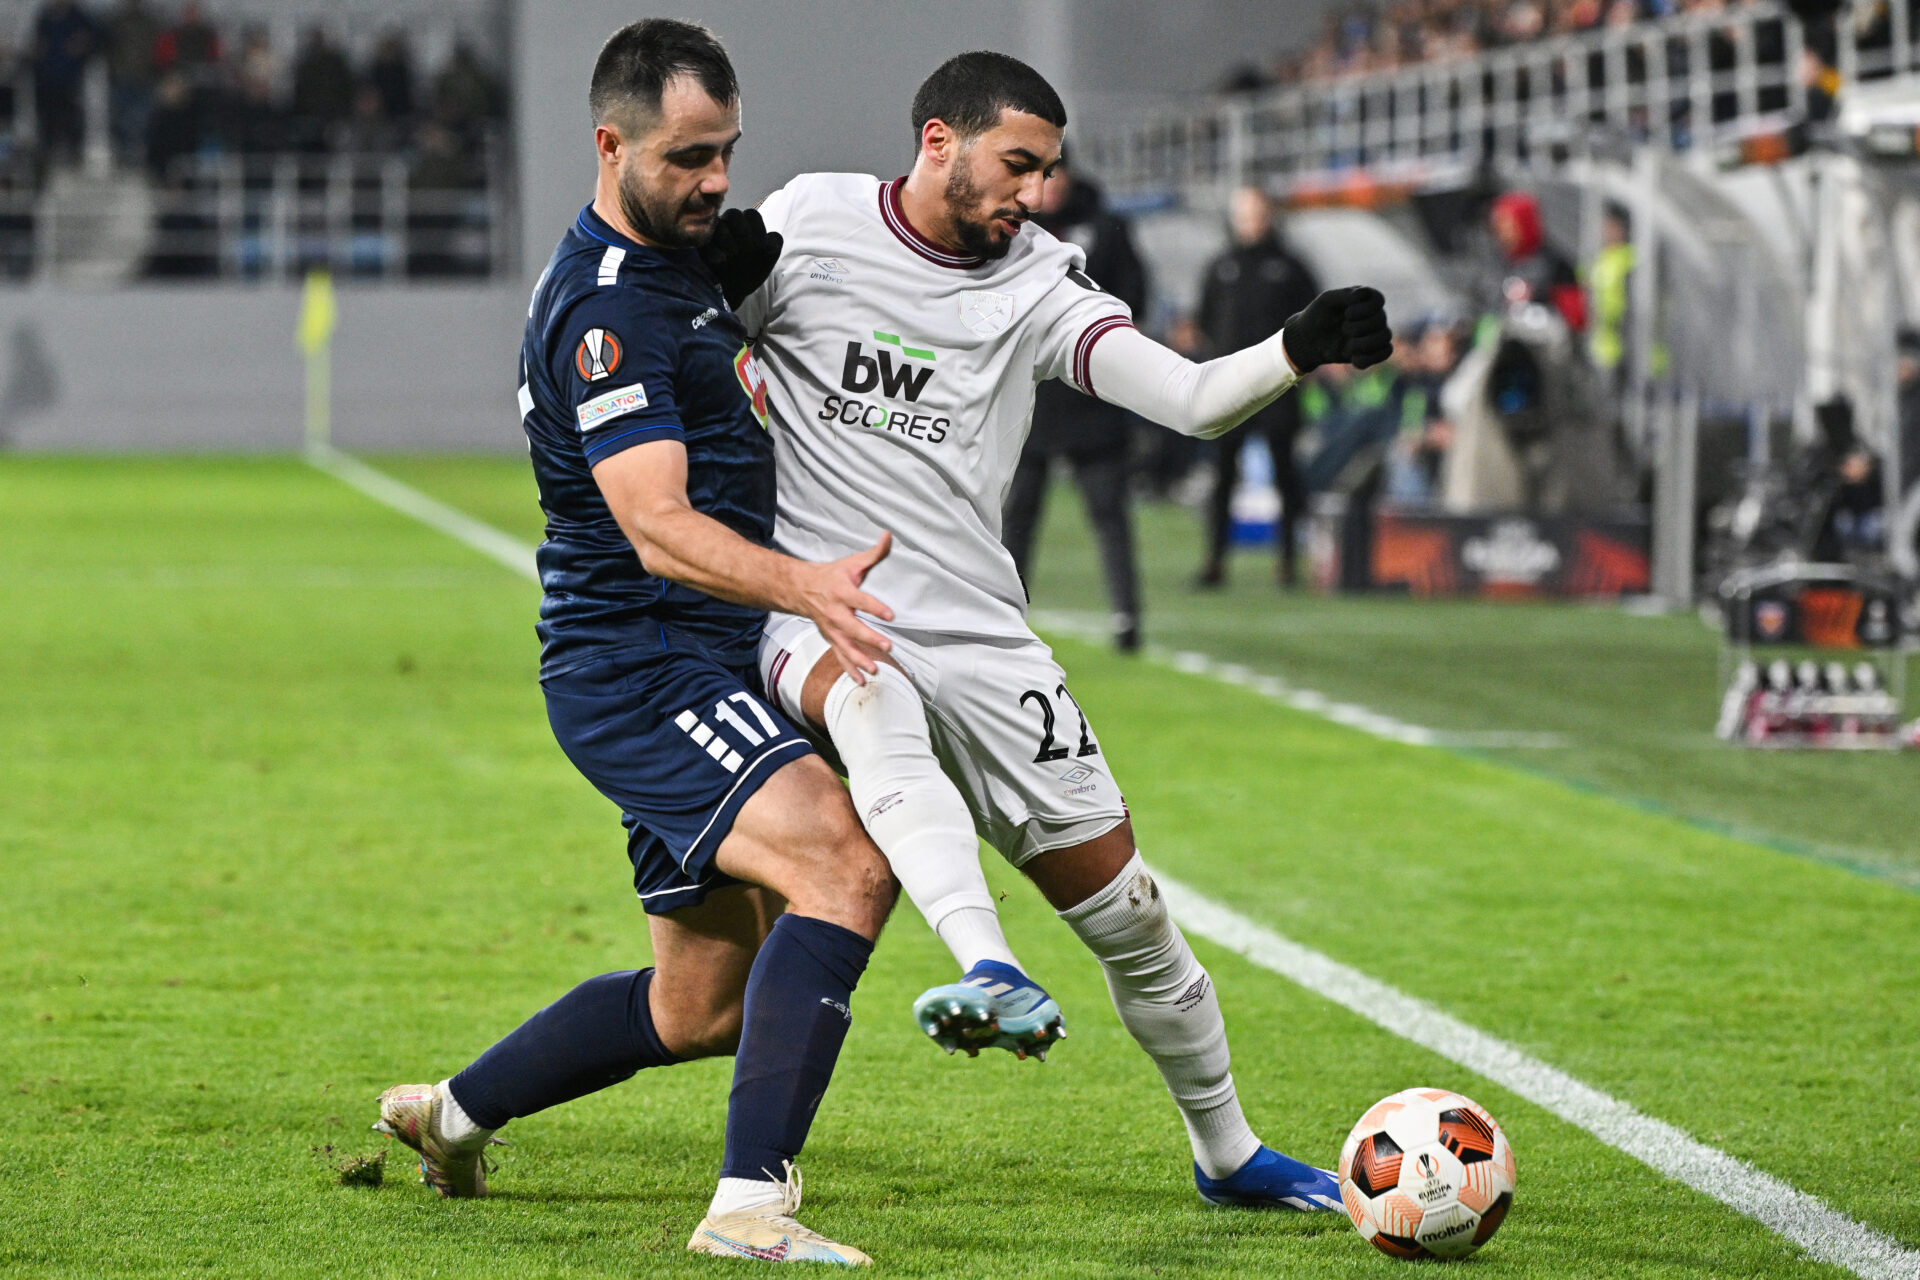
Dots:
(963, 197)
(658, 220)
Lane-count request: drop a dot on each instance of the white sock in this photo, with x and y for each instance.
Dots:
(914, 812)
(455, 1123)
(1166, 1000)
(973, 934)
(735, 1195)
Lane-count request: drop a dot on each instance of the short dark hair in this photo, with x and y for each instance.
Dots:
(970, 90)
(639, 59)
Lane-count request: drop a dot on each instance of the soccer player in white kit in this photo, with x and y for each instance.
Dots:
(901, 335)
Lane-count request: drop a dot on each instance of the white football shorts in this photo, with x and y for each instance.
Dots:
(1006, 730)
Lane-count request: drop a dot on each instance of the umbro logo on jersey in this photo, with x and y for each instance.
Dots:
(831, 270)
(706, 317)
(598, 355)
(907, 378)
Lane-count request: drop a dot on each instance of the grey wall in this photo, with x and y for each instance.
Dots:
(201, 368)
(825, 86)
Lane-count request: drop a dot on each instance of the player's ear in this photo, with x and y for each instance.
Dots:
(607, 142)
(937, 142)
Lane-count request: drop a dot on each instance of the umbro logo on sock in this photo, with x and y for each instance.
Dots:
(1193, 995)
(831, 1003)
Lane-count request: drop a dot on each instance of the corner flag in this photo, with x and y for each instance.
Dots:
(314, 336)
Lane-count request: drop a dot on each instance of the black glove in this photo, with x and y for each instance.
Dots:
(1341, 326)
(741, 253)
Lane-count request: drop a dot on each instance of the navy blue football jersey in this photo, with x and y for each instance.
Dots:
(626, 344)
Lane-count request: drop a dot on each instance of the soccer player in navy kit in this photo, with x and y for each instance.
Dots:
(646, 419)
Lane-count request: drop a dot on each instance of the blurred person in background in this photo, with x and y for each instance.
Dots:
(1420, 449)
(1908, 368)
(1248, 294)
(1609, 296)
(1534, 270)
(256, 62)
(1355, 418)
(322, 97)
(256, 124)
(466, 98)
(9, 106)
(186, 245)
(132, 30)
(191, 46)
(65, 40)
(173, 127)
(1091, 435)
(391, 76)
(370, 129)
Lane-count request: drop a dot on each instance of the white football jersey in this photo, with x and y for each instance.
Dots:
(900, 388)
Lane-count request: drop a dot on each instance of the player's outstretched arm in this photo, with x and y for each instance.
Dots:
(646, 488)
(1341, 326)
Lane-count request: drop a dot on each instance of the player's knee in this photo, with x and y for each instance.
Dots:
(844, 878)
(717, 1035)
(700, 1023)
(853, 884)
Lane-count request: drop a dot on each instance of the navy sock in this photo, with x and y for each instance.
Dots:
(596, 1035)
(796, 1018)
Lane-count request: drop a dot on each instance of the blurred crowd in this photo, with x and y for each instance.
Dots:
(1378, 435)
(1538, 363)
(1400, 33)
(183, 83)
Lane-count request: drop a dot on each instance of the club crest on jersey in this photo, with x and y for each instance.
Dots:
(598, 355)
(985, 312)
(752, 381)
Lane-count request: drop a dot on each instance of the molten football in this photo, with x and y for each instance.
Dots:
(1427, 1174)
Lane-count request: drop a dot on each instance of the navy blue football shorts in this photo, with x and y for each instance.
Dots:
(679, 742)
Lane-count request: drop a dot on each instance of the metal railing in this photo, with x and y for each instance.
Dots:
(1692, 83)
(260, 218)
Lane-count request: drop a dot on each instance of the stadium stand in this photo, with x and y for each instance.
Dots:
(206, 142)
(1715, 201)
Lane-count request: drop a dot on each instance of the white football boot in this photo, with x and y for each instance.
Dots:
(768, 1233)
(413, 1113)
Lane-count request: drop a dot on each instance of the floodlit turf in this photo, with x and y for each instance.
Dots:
(283, 824)
(1634, 697)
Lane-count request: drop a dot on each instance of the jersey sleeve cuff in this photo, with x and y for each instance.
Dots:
(1082, 371)
(599, 448)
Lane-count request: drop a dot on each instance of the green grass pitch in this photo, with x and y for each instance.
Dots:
(281, 823)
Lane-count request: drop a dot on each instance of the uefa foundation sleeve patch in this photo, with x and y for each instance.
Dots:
(612, 404)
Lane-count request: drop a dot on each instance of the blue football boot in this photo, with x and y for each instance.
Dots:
(995, 1006)
(1272, 1181)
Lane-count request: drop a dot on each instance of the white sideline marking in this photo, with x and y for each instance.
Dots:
(1825, 1234)
(517, 556)
(1349, 714)
(409, 501)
